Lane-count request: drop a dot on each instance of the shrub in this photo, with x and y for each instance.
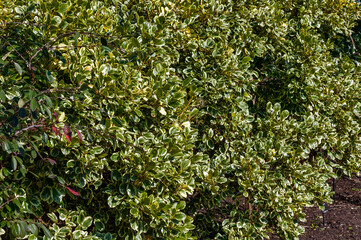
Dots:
(174, 120)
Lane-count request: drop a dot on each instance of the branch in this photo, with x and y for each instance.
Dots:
(46, 45)
(27, 128)
(19, 23)
(353, 42)
(20, 55)
(8, 201)
(36, 150)
(12, 60)
(57, 90)
(50, 43)
(50, 47)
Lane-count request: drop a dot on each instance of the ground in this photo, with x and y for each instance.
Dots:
(343, 218)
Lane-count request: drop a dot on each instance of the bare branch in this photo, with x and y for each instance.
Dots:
(49, 45)
(14, 24)
(12, 60)
(46, 45)
(353, 42)
(27, 128)
(20, 55)
(7, 202)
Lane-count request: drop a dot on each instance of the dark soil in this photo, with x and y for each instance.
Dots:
(343, 218)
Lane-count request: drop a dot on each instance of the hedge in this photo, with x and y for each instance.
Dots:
(187, 119)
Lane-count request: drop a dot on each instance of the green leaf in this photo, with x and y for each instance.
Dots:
(46, 231)
(159, 42)
(53, 217)
(185, 164)
(56, 20)
(61, 180)
(115, 157)
(15, 230)
(108, 236)
(277, 107)
(45, 194)
(135, 42)
(33, 228)
(215, 53)
(7, 146)
(116, 175)
(180, 216)
(62, 117)
(162, 111)
(35, 201)
(117, 122)
(33, 104)
(63, 8)
(149, 135)
(181, 205)
(131, 191)
(97, 150)
(19, 10)
(210, 144)
(77, 234)
(14, 163)
(120, 136)
(80, 218)
(134, 212)
(56, 196)
(87, 222)
(178, 95)
(162, 152)
(99, 225)
(21, 103)
(23, 227)
(246, 60)
(186, 81)
(285, 114)
(2, 96)
(18, 68)
(249, 118)
(32, 237)
(49, 76)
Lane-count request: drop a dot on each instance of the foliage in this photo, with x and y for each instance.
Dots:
(159, 119)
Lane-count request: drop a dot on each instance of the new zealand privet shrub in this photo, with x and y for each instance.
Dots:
(160, 119)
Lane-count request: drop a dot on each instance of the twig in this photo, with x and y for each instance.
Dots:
(15, 49)
(353, 42)
(27, 128)
(78, 46)
(18, 23)
(37, 151)
(42, 221)
(56, 90)
(8, 201)
(46, 45)
(52, 42)
(12, 60)
(50, 47)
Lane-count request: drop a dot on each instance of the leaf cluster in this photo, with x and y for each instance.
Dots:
(174, 119)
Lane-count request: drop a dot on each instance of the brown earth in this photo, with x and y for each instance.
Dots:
(343, 217)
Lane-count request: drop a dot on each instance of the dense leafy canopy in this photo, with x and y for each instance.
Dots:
(159, 119)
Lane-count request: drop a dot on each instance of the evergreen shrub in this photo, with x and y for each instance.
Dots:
(186, 119)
